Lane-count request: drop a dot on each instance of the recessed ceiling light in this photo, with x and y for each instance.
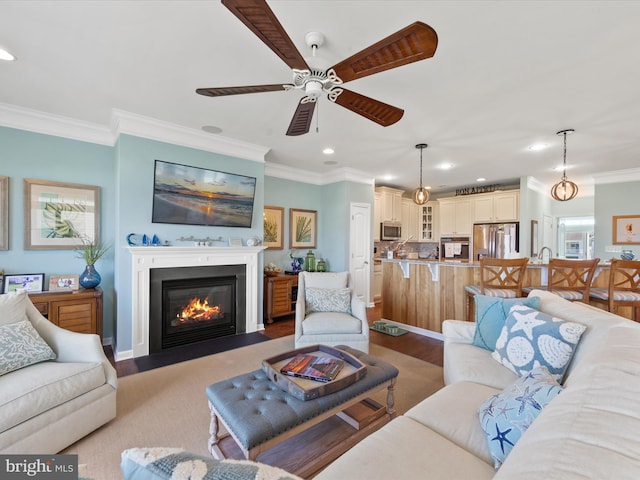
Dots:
(536, 147)
(6, 55)
(446, 166)
(387, 177)
(211, 129)
(328, 151)
(481, 179)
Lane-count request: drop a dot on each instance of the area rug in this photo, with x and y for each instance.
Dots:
(167, 406)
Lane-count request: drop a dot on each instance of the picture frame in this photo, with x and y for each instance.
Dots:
(31, 282)
(64, 283)
(273, 228)
(303, 230)
(4, 213)
(60, 216)
(626, 230)
(534, 238)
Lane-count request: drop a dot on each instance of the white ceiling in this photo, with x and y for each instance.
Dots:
(505, 75)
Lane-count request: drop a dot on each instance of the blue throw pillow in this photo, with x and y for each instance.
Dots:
(531, 338)
(491, 313)
(504, 417)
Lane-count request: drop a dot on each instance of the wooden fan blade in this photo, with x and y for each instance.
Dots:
(374, 110)
(257, 15)
(416, 42)
(221, 92)
(301, 120)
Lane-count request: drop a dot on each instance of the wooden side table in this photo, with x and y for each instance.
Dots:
(78, 311)
(280, 295)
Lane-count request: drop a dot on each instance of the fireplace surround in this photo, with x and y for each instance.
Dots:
(145, 259)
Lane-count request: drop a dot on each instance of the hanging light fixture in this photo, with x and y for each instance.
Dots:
(565, 189)
(421, 194)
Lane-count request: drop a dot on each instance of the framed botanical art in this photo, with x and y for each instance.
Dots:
(303, 230)
(626, 229)
(4, 213)
(273, 227)
(60, 216)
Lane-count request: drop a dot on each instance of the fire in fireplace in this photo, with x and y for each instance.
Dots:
(191, 304)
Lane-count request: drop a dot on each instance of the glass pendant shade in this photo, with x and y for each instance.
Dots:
(421, 194)
(565, 189)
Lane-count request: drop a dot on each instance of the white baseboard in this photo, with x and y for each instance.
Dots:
(418, 330)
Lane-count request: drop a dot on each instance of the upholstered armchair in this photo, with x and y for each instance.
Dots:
(328, 313)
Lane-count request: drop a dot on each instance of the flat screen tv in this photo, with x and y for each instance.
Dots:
(198, 196)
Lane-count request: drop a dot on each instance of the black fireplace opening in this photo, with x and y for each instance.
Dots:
(192, 304)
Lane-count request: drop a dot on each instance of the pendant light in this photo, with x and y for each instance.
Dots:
(565, 189)
(421, 194)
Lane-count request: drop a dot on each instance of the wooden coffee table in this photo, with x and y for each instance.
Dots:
(267, 424)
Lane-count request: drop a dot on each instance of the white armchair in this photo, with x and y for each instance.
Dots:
(328, 313)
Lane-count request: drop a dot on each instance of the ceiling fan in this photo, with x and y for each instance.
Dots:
(417, 41)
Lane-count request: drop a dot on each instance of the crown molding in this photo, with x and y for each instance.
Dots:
(305, 176)
(617, 176)
(22, 118)
(140, 126)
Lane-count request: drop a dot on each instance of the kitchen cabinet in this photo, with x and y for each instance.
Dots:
(280, 296)
(428, 222)
(497, 207)
(377, 281)
(410, 220)
(78, 311)
(377, 216)
(390, 204)
(455, 216)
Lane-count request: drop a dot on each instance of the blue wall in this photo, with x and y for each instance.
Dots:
(614, 199)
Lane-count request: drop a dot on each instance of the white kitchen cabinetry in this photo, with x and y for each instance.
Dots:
(497, 207)
(377, 282)
(390, 204)
(410, 217)
(455, 216)
(428, 222)
(377, 216)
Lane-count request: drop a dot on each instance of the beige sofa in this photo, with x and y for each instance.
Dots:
(590, 431)
(46, 406)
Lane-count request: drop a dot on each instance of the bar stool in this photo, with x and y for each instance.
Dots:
(569, 279)
(499, 277)
(624, 287)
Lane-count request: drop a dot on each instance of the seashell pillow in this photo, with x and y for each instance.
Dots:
(530, 339)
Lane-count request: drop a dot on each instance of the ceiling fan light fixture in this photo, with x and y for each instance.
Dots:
(565, 189)
(421, 194)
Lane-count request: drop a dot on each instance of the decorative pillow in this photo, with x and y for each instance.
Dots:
(505, 416)
(328, 300)
(177, 464)
(530, 338)
(20, 345)
(13, 307)
(491, 313)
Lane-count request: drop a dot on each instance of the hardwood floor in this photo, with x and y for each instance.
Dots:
(419, 346)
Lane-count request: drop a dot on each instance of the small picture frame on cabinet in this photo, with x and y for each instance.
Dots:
(64, 283)
(31, 282)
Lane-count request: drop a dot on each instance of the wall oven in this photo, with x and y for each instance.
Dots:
(390, 231)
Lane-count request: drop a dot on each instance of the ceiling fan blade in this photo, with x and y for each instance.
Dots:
(301, 120)
(221, 92)
(374, 110)
(257, 15)
(416, 42)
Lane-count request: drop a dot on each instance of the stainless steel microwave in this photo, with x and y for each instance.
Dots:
(390, 231)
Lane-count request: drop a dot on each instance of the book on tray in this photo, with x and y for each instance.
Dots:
(321, 369)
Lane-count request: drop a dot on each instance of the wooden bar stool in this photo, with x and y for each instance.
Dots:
(499, 277)
(624, 287)
(569, 279)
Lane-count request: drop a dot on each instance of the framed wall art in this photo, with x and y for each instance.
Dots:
(302, 228)
(534, 238)
(31, 282)
(273, 227)
(626, 229)
(60, 216)
(62, 283)
(4, 213)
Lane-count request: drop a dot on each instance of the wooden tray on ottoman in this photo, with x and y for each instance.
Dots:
(304, 389)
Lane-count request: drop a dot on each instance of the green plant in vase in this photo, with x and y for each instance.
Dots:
(91, 251)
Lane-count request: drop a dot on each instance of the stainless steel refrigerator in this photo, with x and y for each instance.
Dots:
(495, 240)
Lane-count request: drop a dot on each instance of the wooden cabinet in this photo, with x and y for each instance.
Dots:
(455, 217)
(410, 217)
(497, 207)
(428, 222)
(78, 311)
(280, 295)
(377, 281)
(390, 203)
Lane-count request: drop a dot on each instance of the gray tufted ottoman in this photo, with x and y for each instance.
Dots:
(259, 415)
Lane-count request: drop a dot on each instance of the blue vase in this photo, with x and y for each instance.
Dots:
(90, 278)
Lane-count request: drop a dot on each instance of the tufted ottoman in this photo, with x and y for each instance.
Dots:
(259, 415)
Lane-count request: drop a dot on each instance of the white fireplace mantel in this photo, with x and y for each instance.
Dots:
(146, 258)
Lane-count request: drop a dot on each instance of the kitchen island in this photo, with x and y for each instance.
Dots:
(424, 293)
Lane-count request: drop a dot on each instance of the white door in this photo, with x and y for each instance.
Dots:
(360, 249)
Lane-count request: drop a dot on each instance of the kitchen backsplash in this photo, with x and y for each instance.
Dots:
(424, 250)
